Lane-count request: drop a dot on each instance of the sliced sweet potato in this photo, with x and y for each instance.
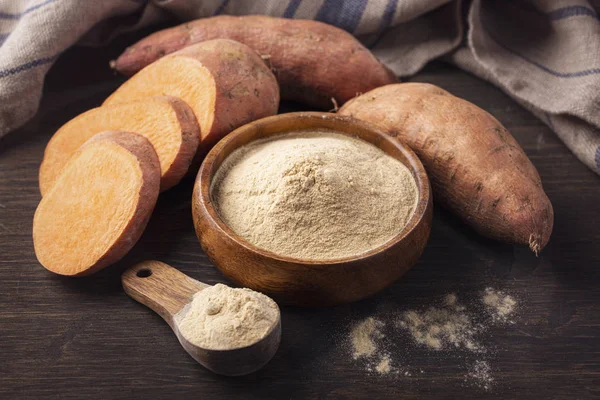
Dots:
(99, 205)
(226, 83)
(313, 62)
(167, 122)
(477, 169)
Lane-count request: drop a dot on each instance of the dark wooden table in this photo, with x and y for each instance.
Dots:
(79, 338)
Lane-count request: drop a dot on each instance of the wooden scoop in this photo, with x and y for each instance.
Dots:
(167, 291)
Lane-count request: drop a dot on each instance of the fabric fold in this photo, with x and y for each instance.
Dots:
(544, 54)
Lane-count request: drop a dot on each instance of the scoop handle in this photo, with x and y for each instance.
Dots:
(160, 287)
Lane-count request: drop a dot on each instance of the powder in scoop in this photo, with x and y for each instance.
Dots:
(315, 195)
(223, 318)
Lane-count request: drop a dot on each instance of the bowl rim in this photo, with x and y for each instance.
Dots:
(205, 176)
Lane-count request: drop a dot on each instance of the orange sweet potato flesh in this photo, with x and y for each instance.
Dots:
(226, 84)
(477, 169)
(99, 206)
(167, 122)
(313, 62)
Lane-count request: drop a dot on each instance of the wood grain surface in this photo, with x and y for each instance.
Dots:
(85, 338)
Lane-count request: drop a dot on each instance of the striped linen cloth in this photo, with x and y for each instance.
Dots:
(545, 54)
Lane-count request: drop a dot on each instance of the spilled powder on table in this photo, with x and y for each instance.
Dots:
(480, 374)
(384, 365)
(500, 305)
(363, 337)
(449, 328)
(439, 328)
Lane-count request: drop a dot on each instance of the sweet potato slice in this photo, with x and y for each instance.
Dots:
(99, 206)
(477, 169)
(226, 83)
(313, 62)
(167, 122)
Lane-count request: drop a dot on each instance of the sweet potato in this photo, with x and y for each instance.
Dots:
(313, 62)
(99, 205)
(476, 167)
(226, 84)
(167, 122)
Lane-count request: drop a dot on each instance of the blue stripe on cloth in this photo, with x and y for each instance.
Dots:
(290, 11)
(571, 11)
(577, 74)
(29, 65)
(597, 157)
(386, 21)
(344, 14)
(3, 37)
(388, 14)
(5, 15)
(221, 7)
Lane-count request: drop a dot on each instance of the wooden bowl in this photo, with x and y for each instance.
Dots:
(309, 282)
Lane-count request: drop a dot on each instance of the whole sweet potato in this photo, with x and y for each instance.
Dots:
(313, 62)
(476, 167)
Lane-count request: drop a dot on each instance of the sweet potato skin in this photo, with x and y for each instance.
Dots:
(246, 88)
(148, 194)
(191, 138)
(477, 169)
(313, 62)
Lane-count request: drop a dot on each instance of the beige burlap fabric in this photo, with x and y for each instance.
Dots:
(545, 54)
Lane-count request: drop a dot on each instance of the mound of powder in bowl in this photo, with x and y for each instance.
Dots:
(224, 318)
(314, 195)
